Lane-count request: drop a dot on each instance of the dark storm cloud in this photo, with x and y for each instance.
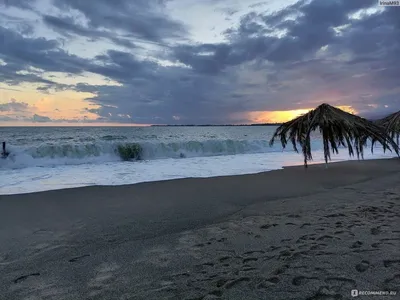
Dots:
(370, 45)
(252, 39)
(21, 52)
(9, 76)
(68, 27)
(122, 67)
(137, 19)
(173, 95)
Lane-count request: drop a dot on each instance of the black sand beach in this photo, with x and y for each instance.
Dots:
(286, 234)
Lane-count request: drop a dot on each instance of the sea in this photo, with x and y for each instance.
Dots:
(49, 158)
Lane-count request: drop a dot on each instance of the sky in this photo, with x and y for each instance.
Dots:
(140, 62)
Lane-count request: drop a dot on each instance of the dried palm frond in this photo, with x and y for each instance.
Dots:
(391, 124)
(337, 127)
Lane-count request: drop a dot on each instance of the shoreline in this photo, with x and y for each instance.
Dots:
(206, 238)
(299, 165)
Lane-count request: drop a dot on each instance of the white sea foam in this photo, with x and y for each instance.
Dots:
(101, 152)
(35, 179)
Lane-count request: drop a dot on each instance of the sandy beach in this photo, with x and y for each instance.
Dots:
(285, 234)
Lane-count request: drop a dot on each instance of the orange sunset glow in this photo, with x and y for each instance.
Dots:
(286, 115)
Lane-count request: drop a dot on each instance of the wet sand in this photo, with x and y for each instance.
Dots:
(286, 234)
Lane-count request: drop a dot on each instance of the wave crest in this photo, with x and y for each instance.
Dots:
(104, 151)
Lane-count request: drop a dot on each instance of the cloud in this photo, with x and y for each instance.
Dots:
(158, 96)
(40, 119)
(67, 27)
(11, 74)
(20, 52)
(254, 72)
(14, 110)
(122, 66)
(143, 19)
(308, 53)
(255, 37)
(22, 112)
(14, 106)
(321, 51)
(24, 4)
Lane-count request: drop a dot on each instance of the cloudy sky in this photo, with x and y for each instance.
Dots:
(194, 61)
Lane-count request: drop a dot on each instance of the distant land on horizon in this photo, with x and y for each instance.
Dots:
(213, 125)
(41, 124)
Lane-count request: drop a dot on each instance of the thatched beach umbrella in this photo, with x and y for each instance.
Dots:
(338, 128)
(391, 124)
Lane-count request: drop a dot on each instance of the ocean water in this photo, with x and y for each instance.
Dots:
(47, 158)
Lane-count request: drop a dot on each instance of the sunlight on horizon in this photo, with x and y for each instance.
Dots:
(286, 115)
(255, 117)
(68, 124)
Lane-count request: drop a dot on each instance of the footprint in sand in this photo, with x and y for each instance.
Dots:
(363, 266)
(285, 240)
(339, 281)
(376, 245)
(253, 252)
(390, 263)
(318, 246)
(268, 283)
(250, 259)
(224, 258)
(266, 226)
(42, 231)
(324, 294)
(338, 224)
(365, 250)
(281, 270)
(273, 280)
(24, 277)
(334, 215)
(306, 238)
(294, 216)
(284, 254)
(327, 237)
(235, 282)
(357, 244)
(221, 282)
(248, 269)
(305, 224)
(300, 280)
(375, 231)
(392, 283)
(75, 259)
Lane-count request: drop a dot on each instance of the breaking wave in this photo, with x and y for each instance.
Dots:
(111, 149)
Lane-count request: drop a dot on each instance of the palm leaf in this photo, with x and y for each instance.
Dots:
(391, 124)
(337, 127)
